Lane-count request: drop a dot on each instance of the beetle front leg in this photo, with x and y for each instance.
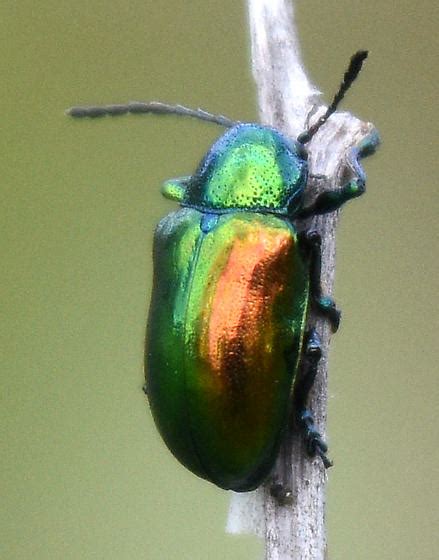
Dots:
(329, 201)
(325, 305)
(311, 357)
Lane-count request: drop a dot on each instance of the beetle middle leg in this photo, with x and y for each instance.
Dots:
(311, 241)
(311, 356)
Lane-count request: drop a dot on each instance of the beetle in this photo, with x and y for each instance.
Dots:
(233, 285)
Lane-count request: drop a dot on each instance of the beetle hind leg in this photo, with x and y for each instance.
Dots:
(312, 438)
(325, 305)
(314, 443)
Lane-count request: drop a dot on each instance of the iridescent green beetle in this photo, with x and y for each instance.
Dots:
(233, 282)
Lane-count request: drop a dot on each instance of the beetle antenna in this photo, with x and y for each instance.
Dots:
(137, 107)
(349, 77)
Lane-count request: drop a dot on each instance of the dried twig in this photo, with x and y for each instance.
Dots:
(286, 100)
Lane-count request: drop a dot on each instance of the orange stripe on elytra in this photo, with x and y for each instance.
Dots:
(252, 278)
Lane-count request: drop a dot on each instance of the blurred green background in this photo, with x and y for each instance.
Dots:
(83, 472)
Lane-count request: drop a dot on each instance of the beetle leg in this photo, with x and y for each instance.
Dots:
(325, 304)
(311, 357)
(329, 201)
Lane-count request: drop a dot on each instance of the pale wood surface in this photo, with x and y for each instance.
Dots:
(286, 98)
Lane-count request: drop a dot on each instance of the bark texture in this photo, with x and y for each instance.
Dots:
(288, 101)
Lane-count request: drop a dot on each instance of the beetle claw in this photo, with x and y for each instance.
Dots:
(314, 443)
